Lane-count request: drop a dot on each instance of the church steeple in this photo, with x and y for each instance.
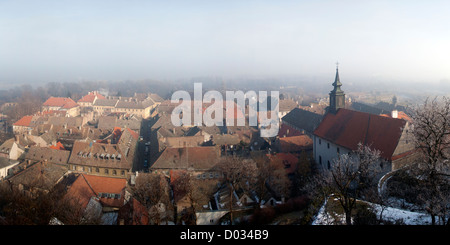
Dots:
(337, 96)
(337, 83)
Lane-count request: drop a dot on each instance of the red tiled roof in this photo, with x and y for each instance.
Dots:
(348, 128)
(87, 186)
(295, 143)
(58, 146)
(24, 121)
(62, 102)
(90, 97)
(133, 134)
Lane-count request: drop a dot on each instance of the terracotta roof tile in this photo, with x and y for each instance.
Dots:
(295, 143)
(24, 121)
(90, 97)
(347, 128)
(87, 186)
(200, 158)
(62, 102)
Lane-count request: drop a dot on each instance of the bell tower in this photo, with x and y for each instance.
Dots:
(337, 96)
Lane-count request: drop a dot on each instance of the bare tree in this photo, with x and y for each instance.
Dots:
(152, 190)
(350, 176)
(239, 173)
(196, 192)
(431, 122)
(271, 176)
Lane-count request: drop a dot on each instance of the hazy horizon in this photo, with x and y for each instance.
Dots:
(374, 41)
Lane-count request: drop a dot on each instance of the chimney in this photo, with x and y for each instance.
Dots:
(394, 114)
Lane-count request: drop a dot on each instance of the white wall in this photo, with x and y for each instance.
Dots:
(325, 151)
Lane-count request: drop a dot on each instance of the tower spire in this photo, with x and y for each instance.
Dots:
(337, 96)
(337, 83)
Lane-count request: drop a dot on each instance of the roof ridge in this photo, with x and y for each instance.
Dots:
(87, 182)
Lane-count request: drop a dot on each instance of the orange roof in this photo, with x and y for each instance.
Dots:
(295, 143)
(133, 134)
(90, 97)
(62, 102)
(58, 146)
(24, 121)
(348, 128)
(87, 186)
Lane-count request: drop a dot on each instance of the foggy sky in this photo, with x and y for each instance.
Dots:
(48, 41)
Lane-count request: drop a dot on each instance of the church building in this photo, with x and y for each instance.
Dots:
(341, 130)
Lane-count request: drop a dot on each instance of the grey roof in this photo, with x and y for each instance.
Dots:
(302, 119)
(156, 98)
(5, 162)
(93, 154)
(109, 122)
(45, 153)
(197, 158)
(67, 121)
(287, 105)
(105, 102)
(129, 105)
(39, 175)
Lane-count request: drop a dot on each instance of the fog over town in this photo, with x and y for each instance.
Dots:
(93, 97)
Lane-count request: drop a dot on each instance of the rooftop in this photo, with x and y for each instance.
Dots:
(348, 128)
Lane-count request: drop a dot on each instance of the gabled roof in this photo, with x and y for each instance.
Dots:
(47, 154)
(62, 102)
(87, 186)
(348, 128)
(105, 102)
(39, 175)
(90, 97)
(24, 121)
(295, 143)
(100, 155)
(198, 158)
(303, 119)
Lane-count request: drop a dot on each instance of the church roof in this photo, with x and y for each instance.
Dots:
(348, 128)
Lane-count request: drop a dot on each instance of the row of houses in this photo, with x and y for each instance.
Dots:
(92, 157)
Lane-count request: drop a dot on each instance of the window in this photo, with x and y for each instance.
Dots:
(122, 173)
(338, 150)
(328, 145)
(106, 171)
(328, 164)
(320, 159)
(320, 141)
(97, 170)
(114, 172)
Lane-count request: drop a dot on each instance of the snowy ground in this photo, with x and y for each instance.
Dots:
(389, 214)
